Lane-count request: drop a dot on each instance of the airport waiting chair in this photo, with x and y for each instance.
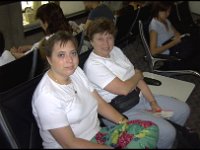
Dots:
(16, 72)
(181, 18)
(184, 13)
(124, 22)
(186, 19)
(153, 60)
(80, 39)
(18, 128)
(127, 25)
(40, 65)
(143, 14)
(83, 57)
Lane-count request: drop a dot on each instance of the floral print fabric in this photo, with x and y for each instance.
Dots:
(134, 134)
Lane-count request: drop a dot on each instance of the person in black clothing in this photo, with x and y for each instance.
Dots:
(97, 10)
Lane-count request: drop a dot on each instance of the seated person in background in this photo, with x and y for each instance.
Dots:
(130, 7)
(52, 19)
(97, 10)
(161, 30)
(66, 106)
(112, 74)
(5, 55)
(114, 5)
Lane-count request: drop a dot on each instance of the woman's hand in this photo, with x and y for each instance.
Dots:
(177, 39)
(21, 49)
(18, 55)
(155, 107)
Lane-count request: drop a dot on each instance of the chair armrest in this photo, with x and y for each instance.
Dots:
(167, 57)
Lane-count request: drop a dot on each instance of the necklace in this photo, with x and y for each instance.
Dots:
(72, 88)
(57, 81)
(68, 82)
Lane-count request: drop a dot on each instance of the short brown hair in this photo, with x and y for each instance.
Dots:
(100, 25)
(61, 36)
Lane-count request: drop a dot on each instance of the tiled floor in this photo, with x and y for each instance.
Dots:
(135, 53)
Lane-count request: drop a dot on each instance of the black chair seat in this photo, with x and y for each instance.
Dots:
(16, 72)
(18, 128)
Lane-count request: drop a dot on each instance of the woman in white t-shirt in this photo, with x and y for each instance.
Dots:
(165, 39)
(112, 74)
(161, 29)
(66, 106)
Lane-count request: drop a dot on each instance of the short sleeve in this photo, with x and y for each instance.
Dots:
(50, 113)
(85, 79)
(153, 26)
(98, 74)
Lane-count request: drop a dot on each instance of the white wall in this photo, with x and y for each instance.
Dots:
(195, 7)
(69, 7)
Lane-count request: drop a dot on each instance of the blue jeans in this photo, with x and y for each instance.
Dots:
(167, 132)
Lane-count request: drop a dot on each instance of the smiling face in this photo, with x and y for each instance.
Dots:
(102, 43)
(64, 59)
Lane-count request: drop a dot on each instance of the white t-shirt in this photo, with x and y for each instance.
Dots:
(162, 33)
(56, 106)
(101, 71)
(6, 57)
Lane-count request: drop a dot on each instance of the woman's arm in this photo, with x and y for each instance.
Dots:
(148, 95)
(120, 87)
(153, 43)
(21, 49)
(17, 55)
(107, 111)
(176, 33)
(66, 138)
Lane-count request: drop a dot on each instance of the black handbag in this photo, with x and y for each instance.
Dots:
(186, 137)
(123, 103)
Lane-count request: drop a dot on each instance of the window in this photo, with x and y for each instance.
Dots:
(28, 10)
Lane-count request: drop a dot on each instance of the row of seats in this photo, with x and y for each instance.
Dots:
(21, 70)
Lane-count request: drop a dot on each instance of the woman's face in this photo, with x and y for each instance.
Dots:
(64, 59)
(103, 43)
(163, 15)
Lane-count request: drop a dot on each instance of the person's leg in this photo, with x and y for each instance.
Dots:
(181, 110)
(167, 133)
(137, 134)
